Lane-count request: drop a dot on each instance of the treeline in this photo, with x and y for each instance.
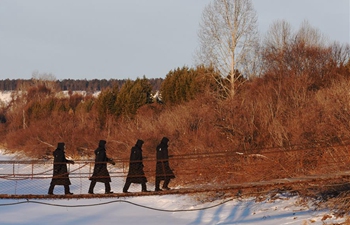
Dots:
(89, 86)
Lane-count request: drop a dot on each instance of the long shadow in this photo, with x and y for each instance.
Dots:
(216, 215)
(247, 210)
(290, 215)
(198, 219)
(235, 212)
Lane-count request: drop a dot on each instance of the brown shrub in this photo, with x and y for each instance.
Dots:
(275, 127)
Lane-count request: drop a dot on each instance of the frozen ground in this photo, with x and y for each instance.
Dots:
(5, 97)
(166, 209)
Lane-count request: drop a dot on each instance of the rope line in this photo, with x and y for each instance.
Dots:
(30, 176)
(117, 201)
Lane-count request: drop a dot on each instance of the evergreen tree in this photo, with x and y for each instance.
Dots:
(133, 95)
(183, 84)
(105, 103)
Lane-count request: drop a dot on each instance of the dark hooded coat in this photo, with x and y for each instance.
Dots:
(101, 173)
(60, 171)
(163, 170)
(136, 173)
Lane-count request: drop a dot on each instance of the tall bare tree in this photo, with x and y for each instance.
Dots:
(276, 44)
(286, 50)
(310, 35)
(228, 38)
(279, 36)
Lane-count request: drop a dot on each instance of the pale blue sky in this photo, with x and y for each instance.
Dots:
(119, 39)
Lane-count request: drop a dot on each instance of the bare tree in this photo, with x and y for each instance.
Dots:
(310, 35)
(47, 79)
(277, 42)
(228, 38)
(279, 36)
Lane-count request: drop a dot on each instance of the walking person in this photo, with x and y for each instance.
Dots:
(101, 173)
(136, 173)
(60, 171)
(163, 170)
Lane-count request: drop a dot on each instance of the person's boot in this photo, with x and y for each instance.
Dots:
(126, 186)
(66, 190)
(144, 187)
(157, 185)
(92, 186)
(165, 184)
(50, 192)
(108, 188)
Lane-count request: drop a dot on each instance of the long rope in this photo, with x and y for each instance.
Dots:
(116, 201)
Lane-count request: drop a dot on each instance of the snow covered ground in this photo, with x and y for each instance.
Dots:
(5, 97)
(165, 209)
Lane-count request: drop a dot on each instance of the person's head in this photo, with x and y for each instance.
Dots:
(60, 145)
(139, 143)
(165, 140)
(102, 143)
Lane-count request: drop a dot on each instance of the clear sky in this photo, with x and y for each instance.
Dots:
(120, 39)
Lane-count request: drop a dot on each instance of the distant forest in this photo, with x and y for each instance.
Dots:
(74, 85)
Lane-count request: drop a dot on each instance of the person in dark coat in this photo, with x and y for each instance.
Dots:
(101, 173)
(136, 173)
(60, 171)
(163, 170)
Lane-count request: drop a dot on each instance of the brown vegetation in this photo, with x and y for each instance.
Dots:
(291, 121)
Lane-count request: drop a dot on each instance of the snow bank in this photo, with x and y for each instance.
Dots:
(5, 97)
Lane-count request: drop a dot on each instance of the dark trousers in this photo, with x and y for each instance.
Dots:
(165, 184)
(92, 186)
(52, 186)
(128, 183)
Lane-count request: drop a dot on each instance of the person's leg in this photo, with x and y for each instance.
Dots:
(52, 186)
(157, 184)
(108, 188)
(166, 183)
(127, 185)
(66, 190)
(92, 186)
(143, 187)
